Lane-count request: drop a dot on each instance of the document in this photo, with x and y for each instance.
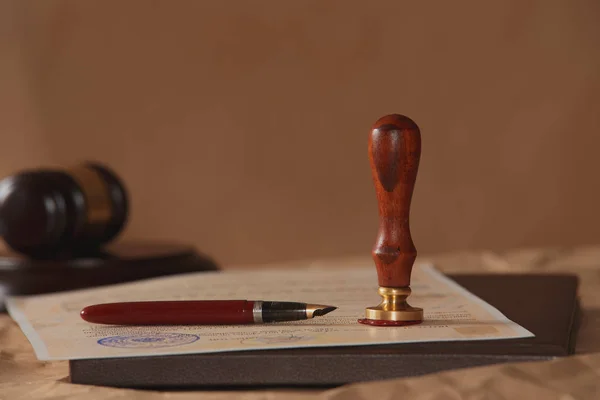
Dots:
(53, 326)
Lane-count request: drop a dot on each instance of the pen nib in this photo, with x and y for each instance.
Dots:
(317, 310)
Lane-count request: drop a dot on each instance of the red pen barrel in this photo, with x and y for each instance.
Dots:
(207, 312)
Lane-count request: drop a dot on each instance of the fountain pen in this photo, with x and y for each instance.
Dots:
(201, 312)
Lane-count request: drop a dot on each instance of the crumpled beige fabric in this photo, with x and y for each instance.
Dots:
(575, 377)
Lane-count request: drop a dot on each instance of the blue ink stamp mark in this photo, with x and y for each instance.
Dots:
(151, 341)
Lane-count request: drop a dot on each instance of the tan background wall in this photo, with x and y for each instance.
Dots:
(241, 126)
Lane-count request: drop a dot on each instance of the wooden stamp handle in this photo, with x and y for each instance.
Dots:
(394, 153)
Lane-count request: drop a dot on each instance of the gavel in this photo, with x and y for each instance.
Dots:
(45, 213)
(394, 155)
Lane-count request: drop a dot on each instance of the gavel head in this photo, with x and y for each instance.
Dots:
(46, 213)
(394, 154)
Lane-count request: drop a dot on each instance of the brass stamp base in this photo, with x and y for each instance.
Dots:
(393, 308)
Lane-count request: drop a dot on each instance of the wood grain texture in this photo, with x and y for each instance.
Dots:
(394, 154)
(118, 262)
(46, 213)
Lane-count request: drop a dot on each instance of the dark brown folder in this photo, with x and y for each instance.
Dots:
(546, 305)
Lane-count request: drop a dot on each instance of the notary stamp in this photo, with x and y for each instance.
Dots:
(149, 341)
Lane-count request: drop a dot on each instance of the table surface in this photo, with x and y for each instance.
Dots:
(578, 376)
